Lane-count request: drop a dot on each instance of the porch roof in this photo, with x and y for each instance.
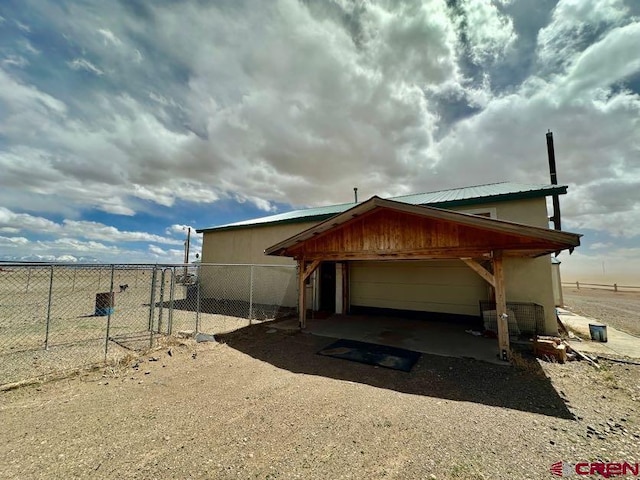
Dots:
(382, 229)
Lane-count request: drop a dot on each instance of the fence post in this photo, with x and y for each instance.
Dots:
(26, 290)
(161, 302)
(46, 338)
(615, 287)
(106, 337)
(171, 299)
(198, 283)
(577, 285)
(251, 295)
(152, 305)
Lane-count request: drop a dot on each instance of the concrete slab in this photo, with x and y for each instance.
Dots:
(619, 343)
(437, 338)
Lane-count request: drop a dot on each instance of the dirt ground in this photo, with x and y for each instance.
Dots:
(263, 404)
(618, 309)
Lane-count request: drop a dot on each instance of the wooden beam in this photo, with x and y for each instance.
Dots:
(345, 288)
(311, 267)
(302, 308)
(417, 255)
(302, 288)
(480, 270)
(501, 306)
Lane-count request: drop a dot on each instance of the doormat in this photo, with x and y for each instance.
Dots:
(372, 354)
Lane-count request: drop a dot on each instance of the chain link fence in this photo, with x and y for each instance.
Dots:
(59, 318)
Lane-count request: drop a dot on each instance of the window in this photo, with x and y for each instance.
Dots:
(482, 212)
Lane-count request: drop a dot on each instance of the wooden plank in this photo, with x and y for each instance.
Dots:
(480, 270)
(501, 305)
(446, 254)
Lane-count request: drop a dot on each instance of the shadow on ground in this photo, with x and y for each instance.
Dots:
(234, 308)
(526, 389)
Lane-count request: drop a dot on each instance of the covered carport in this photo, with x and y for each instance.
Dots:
(389, 231)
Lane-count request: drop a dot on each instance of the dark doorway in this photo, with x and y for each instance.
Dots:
(328, 287)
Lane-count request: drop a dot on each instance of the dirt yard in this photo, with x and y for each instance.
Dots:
(264, 405)
(618, 309)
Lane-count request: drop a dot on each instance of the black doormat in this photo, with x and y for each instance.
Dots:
(372, 354)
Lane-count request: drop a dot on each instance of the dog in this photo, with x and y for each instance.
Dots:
(123, 288)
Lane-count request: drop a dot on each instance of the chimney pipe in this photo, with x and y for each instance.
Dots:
(554, 181)
(355, 193)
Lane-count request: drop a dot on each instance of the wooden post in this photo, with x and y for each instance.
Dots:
(345, 288)
(302, 308)
(501, 305)
(302, 277)
(615, 287)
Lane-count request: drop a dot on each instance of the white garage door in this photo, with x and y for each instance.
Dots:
(430, 286)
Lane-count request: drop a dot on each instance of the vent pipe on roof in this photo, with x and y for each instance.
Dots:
(355, 193)
(554, 181)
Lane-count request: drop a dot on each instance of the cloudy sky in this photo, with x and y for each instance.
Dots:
(123, 122)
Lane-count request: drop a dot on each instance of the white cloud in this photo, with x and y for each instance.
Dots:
(19, 97)
(489, 33)
(157, 250)
(109, 37)
(25, 221)
(606, 62)
(76, 228)
(15, 61)
(84, 64)
(23, 26)
(166, 256)
(298, 102)
(12, 242)
(573, 25)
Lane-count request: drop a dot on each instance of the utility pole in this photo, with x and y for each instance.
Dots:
(186, 250)
(186, 253)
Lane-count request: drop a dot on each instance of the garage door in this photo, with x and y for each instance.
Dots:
(429, 286)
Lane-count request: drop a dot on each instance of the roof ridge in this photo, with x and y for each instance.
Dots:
(456, 188)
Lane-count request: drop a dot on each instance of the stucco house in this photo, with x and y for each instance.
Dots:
(436, 254)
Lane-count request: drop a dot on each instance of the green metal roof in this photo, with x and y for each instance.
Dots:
(456, 197)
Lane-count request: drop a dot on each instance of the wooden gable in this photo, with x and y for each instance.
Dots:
(385, 233)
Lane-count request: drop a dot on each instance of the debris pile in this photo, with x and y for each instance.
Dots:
(558, 350)
(552, 347)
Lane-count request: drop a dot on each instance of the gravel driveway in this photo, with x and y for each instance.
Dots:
(264, 405)
(618, 309)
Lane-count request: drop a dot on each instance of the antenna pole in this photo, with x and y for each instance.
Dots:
(554, 181)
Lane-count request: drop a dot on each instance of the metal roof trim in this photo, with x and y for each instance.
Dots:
(533, 191)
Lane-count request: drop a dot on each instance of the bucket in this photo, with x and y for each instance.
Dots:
(104, 304)
(598, 332)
